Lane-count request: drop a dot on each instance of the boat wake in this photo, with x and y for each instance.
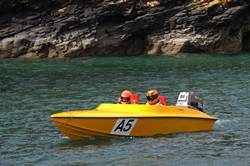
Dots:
(221, 124)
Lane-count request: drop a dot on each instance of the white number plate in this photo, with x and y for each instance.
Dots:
(124, 126)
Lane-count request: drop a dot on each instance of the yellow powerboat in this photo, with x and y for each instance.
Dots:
(116, 120)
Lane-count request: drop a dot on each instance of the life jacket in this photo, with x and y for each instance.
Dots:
(163, 100)
(135, 99)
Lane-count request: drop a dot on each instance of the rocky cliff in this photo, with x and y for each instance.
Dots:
(74, 28)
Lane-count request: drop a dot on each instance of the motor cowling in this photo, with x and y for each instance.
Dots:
(190, 99)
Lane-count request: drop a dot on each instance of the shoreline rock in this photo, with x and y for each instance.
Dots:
(58, 29)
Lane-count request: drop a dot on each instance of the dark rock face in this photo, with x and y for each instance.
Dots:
(74, 28)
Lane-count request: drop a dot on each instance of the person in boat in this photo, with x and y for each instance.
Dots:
(153, 98)
(127, 97)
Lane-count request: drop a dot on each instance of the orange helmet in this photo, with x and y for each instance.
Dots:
(125, 97)
(152, 96)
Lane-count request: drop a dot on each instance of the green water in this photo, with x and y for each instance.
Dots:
(32, 90)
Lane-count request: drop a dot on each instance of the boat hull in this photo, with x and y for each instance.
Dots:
(116, 120)
(79, 128)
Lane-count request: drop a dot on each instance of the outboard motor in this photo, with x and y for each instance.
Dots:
(190, 99)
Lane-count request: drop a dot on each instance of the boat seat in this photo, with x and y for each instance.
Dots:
(163, 100)
(135, 98)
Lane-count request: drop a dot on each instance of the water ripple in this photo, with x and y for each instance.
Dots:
(31, 90)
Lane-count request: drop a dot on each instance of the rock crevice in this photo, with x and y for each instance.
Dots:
(56, 29)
